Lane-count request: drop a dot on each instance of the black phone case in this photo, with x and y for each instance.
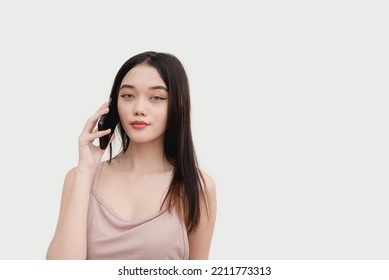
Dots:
(106, 121)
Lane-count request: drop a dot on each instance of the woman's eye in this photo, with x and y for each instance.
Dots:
(127, 95)
(158, 98)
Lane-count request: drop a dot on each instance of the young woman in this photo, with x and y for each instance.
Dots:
(151, 201)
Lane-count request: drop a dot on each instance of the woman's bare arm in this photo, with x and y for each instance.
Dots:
(200, 239)
(70, 237)
(69, 241)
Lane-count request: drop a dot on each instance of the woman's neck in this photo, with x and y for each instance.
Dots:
(145, 158)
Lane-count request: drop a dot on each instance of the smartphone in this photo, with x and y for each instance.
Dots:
(106, 121)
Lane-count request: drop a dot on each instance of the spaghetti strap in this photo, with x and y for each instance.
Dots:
(97, 175)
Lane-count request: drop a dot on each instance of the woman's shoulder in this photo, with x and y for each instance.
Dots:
(69, 177)
(210, 185)
(71, 171)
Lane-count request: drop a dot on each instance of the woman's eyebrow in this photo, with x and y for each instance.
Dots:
(159, 87)
(153, 87)
(126, 86)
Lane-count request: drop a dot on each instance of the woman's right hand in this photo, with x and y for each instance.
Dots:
(89, 154)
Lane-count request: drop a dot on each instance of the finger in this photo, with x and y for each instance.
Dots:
(91, 122)
(95, 117)
(87, 137)
(97, 134)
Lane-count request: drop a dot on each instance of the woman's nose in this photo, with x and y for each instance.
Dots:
(139, 108)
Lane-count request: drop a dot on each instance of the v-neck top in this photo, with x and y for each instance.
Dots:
(161, 236)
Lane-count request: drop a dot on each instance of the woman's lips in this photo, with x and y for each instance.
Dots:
(139, 124)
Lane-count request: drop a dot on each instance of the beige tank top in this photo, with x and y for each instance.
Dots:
(161, 236)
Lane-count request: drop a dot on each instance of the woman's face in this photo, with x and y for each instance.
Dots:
(143, 104)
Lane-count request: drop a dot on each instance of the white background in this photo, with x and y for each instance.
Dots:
(289, 105)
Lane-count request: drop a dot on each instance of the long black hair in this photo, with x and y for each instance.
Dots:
(187, 186)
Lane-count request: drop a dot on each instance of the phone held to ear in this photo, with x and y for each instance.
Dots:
(106, 121)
